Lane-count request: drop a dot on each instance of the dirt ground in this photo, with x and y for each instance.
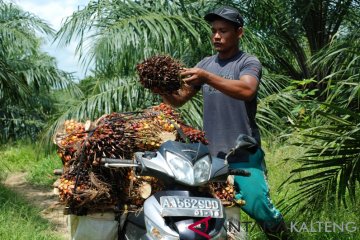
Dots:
(47, 201)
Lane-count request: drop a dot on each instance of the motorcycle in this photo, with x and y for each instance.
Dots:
(181, 210)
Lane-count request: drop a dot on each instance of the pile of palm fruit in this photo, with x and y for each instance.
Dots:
(85, 184)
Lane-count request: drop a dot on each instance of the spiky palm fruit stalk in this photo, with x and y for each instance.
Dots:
(160, 73)
(110, 139)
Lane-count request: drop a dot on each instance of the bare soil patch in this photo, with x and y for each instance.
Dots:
(46, 200)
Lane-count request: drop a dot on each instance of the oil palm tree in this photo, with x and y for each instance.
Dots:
(329, 171)
(26, 73)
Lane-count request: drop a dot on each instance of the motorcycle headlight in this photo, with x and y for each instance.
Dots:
(181, 168)
(185, 172)
(202, 169)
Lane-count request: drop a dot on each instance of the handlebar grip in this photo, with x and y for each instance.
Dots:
(114, 160)
(118, 163)
(239, 172)
(58, 171)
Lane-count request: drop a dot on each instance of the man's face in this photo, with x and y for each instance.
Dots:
(225, 36)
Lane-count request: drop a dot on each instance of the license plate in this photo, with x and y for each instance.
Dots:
(177, 206)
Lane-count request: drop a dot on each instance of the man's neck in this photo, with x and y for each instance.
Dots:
(228, 54)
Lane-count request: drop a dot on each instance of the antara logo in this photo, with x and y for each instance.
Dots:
(199, 225)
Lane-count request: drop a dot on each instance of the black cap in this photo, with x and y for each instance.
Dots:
(227, 13)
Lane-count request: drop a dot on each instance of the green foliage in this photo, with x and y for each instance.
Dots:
(341, 59)
(275, 105)
(293, 33)
(330, 167)
(123, 33)
(27, 75)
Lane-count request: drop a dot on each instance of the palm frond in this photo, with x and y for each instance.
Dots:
(330, 166)
(123, 31)
(18, 29)
(341, 59)
(275, 106)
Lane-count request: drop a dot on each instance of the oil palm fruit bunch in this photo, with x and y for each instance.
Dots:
(146, 133)
(69, 138)
(167, 111)
(160, 73)
(110, 139)
(194, 135)
(67, 187)
(223, 191)
(71, 126)
(171, 119)
(85, 189)
(85, 183)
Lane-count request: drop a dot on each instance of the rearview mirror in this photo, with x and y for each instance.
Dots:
(246, 142)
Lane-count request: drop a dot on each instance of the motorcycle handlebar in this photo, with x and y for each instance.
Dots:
(112, 162)
(119, 163)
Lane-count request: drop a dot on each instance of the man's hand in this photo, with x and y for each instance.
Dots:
(244, 88)
(193, 76)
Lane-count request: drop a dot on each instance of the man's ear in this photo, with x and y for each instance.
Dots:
(240, 32)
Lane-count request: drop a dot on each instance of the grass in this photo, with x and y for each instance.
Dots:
(20, 220)
(23, 156)
(41, 174)
(19, 156)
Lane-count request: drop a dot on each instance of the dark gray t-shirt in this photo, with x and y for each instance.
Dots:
(226, 117)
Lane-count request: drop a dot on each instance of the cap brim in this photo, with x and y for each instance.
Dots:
(213, 16)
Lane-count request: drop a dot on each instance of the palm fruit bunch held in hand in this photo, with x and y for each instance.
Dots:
(160, 73)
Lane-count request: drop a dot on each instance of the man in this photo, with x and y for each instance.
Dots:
(229, 81)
